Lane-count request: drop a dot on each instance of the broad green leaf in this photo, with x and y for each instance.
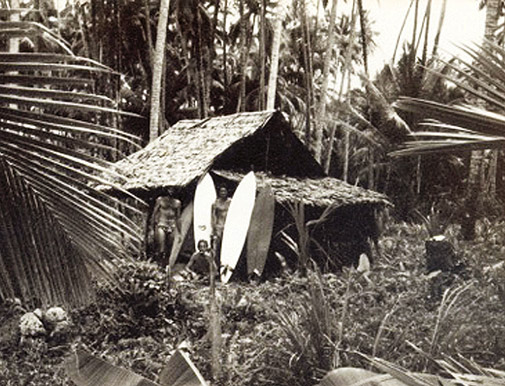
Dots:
(85, 369)
(180, 371)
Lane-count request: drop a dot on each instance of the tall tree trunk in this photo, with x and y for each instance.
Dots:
(492, 16)
(225, 51)
(274, 63)
(243, 57)
(14, 42)
(493, 172)
(159, 57)
(186, 55)
(371, 169)
(477, 157)
(426, 33)
(321, 108)
(345, 171)
(211, 54)
(201, 56)
(263, 20)
(346, 71)
(364, 39)
(439, 29)
(307, 57)
(412, 57)
(147, 16)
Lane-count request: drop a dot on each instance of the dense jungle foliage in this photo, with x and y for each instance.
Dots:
(291, 330)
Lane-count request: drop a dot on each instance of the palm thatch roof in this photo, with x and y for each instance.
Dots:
(187, 150)
(234, 144)
(317, 192)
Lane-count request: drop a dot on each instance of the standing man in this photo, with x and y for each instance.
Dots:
(165, 226)
(219, 211)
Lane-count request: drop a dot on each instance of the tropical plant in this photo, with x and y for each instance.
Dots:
(56, 229)
(85, 369)
(463, 127)
(305, 241)
(371, 127)
(462, 372)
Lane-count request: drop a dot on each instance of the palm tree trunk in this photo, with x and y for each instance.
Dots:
(321, 109)
(159, 57)
(243, 57)
(307, 55)
(439, 29)
(345, 172)
(211, 54)
(412, 57)
(274, 64)
(263, 20)
(477, 157)
(492, 16)
(186, 55)
(147, 16)
(225, 52)
(14, 42)
(364, 40)
(371, 169)
(346, 71)
(427, 32)
(201, 55)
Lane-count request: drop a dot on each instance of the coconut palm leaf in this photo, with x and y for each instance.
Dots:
(50, 80)
(470, 128)
(56, 230)
(462, 127)
(66, 125)
(12, 29)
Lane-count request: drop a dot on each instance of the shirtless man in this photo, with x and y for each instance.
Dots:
(219, 211)
(164, 225)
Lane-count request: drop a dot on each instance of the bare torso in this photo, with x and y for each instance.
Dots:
(219, 211)
(165, 224)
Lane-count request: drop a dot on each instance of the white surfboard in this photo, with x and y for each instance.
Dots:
(236, 225)
(205, 195)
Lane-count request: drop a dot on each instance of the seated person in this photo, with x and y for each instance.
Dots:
(202, 261)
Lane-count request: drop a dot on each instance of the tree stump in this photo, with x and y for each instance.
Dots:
(440, 255)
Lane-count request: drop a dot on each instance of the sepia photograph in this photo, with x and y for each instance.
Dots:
(252, 192)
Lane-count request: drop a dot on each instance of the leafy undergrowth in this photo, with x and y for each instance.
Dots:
(291, 330)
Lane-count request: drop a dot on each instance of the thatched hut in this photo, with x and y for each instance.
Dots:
(229, 147)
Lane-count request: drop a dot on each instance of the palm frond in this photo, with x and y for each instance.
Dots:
(462, 128)
(56, 230)
(469, 129)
